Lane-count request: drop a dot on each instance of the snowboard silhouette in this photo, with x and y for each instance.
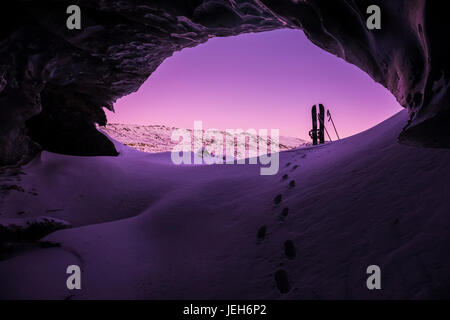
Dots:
(322, 124)
(313, 132)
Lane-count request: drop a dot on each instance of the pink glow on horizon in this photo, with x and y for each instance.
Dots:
(266, 80)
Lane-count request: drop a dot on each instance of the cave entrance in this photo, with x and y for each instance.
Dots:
(260, 80)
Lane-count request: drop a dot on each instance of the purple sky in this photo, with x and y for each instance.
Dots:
(266, 80)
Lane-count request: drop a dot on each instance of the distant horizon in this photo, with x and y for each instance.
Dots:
(260, 80)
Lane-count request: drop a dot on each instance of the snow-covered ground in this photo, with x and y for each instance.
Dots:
(145, 228)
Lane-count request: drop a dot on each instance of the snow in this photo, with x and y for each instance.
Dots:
(144, 228)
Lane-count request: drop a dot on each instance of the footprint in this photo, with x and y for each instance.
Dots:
(289, 249)
(292, 184)
(285, 177)
(285, 212)
(282, 281)
(277, 199)
(262, 232)
(288, 164)
(294, 167)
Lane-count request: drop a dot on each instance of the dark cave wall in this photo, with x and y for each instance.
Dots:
(55, 82)
(68, 114)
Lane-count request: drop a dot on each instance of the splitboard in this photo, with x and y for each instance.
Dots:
(313, 132)
(322, 124)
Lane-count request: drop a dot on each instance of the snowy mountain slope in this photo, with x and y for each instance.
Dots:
(224, 231)
(156, 138)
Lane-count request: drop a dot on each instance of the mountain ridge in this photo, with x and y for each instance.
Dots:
(157, 138)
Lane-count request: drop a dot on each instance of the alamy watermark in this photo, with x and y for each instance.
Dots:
(74, 20)
(374, 280)
(232, 146)
(74, 280)
(374, 20)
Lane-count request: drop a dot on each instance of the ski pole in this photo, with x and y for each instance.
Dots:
(331, 119)
(325, 129)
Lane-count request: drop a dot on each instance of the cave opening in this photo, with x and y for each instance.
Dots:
(266, 80)
(257, 80)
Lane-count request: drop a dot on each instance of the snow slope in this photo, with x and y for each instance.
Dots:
(146, 229)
